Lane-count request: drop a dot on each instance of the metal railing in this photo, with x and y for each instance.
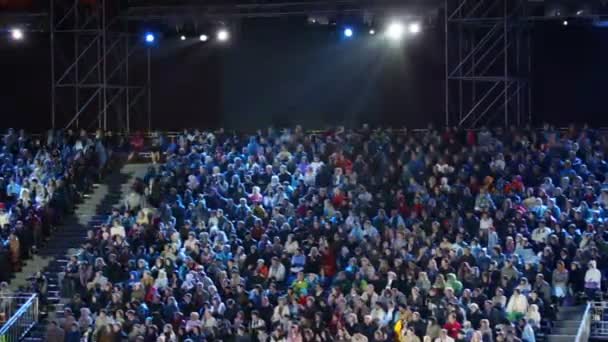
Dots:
(599, 319)
(9, 304)
(584, 330)
(22, 320)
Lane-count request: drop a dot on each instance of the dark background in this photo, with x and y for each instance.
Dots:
(570, 74)
(283, 72)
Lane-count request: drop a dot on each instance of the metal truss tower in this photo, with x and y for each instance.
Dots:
(91, 54)
(487, 63)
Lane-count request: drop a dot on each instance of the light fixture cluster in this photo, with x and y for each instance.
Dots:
(395, 30)
(221, 35)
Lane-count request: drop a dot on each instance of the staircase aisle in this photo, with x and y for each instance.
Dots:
(68, 235)
(566, 326)
(68, 240)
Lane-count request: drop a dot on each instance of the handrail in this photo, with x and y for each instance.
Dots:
(584, 330)
(172, 134)
(21, 322)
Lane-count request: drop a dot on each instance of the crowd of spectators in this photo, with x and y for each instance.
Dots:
(348, 235)
(41, 178)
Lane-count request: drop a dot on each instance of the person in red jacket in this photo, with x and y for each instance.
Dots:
(137, 144)
(452, 326)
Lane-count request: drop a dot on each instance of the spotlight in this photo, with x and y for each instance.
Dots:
(17, 34)
(222, 35)
(348, 32)
(414, 28)
(150, 38)
(182, 38)
(372, 32)
(395, 31)
(579, 12)
(565, 23)
(203, 38)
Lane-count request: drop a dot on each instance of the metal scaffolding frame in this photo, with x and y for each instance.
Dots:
(214, 9)
(487, 62)
(91, 53)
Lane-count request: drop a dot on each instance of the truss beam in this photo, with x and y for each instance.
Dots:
(151, 10)
(487, 62)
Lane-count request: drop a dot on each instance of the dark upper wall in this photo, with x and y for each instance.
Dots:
(285, 75)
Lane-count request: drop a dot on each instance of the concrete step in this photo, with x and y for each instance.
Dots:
(565, 331)
(561, 338)
(567, 324)
(53, 300)
(576, 308)
(570, 315)
(33, 339)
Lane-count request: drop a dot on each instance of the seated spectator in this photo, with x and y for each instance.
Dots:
(54, 333)
(517, 306)
(533, 316)
(593, 279)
